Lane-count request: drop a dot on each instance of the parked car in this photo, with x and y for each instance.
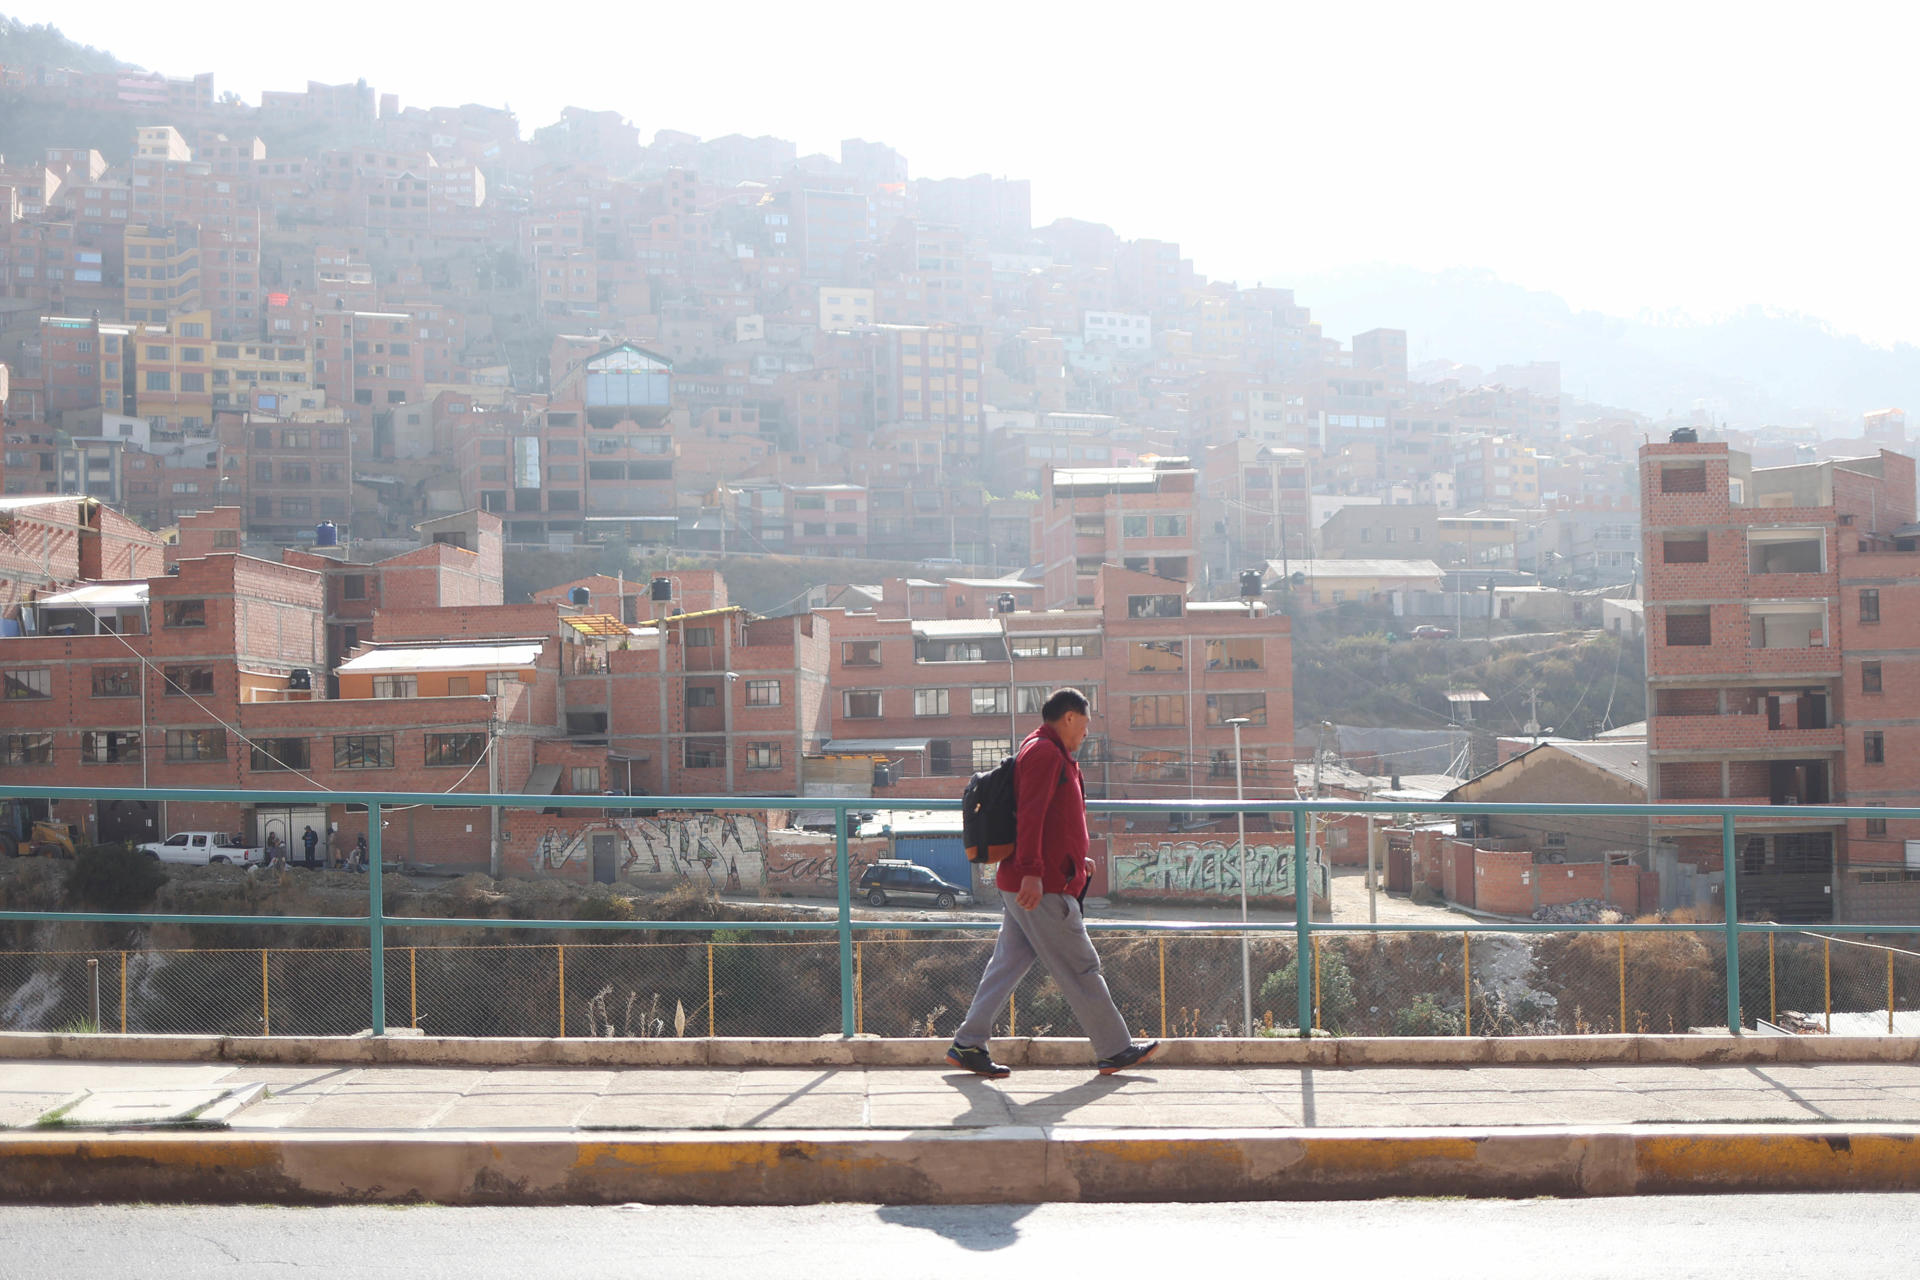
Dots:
(897, 880)
(1429, 632)
(202, 848)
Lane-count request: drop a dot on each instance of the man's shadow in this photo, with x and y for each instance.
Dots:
(984, 1228)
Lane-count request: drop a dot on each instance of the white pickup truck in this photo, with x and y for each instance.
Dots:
(199, 848)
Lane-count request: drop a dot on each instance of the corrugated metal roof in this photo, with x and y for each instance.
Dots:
(98, 595)
(1624, 760)
(451, 657)
(873, 746)
(1356, 568)
(957, 628)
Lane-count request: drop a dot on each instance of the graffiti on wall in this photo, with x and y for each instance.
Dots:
(718, 851)
(1210, 867)
(730, 853)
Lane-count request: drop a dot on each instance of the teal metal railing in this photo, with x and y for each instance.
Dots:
(376, 921)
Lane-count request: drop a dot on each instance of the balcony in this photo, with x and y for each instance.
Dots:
(1735, 732)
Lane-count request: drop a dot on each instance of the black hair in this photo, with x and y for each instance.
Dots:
(1061, 701)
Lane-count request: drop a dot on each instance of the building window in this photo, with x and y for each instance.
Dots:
(702, 695)
(705, 753)
(1233, 655)
(396, 686)
(158, 380)
(930, 702)
(185, 746)
(27, 682)
(1056, 646)
(181, 681)
(116, 682)
(1159, 766)
(990, 702)
(1157, 606)
(363, 751)
(860, 704)
(27, 748)
(989, 752)
(1157, 710)
(1870, 604)
(1156, 656)
(448, 750)
(699, 637)
(353, 586)
(278, 755)
(585, 780)
(1876, 826)
(1222, 707)
(1685, 550)
(1169, 526)
(763, 693)
(1874, 747)
(109, 746)
(763, 755)
(1689, 625)
(184, 613)
(1870, 677)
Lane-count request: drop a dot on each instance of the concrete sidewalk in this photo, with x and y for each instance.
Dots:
(328, 1132)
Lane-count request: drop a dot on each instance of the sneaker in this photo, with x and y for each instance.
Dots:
(1131, 1056)
(978, 1061)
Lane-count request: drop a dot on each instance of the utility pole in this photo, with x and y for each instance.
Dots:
(1533, 715)
(494, 867)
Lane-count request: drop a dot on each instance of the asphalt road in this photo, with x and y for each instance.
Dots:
(1750, 1237)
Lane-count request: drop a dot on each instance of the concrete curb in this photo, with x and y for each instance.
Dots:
(994, 1166)
(1023, 1051)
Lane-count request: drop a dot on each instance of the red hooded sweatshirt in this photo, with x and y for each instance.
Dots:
(1052, 827)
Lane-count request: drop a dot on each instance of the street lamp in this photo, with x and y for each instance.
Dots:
(1240, 817)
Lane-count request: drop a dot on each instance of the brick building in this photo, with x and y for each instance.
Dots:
(1139, 517)
(1783, 616)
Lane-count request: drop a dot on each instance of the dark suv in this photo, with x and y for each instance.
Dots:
(896, 880)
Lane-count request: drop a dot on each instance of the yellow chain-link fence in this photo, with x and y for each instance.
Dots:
(920, 984)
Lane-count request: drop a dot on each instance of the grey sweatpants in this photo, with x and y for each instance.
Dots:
(1054, 934)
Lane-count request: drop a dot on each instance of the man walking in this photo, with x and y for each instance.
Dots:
(1041, 884)
(311, 839)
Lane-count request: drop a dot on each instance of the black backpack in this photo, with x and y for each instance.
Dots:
(990, 813)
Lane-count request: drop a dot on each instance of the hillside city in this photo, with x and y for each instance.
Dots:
(359, 445)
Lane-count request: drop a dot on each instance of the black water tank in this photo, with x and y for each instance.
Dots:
(579, 596)
(1684, 435)
(300, 679)
(1250, 584)
(661, 589)
(1006, 602)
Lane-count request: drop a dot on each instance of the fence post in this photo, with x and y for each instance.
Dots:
(1316, 984)
(1622, 939)
(562, 952)
(1302, 927)
(843, 873)
(1163, 988)
(710, 1030)
(266, 1006)
(376, 924)
(1730, 898)
(1889, 992)
(123, 993)
(413, 987)
(1773, 985)
(1827, 965)
(1466, 980)
(859, 988)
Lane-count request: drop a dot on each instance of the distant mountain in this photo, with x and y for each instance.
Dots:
(1751, 368)
(43, 45)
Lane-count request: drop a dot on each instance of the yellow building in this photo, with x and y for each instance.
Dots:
(162, 272)
(276, 377)
(844, 308)
(172, 368)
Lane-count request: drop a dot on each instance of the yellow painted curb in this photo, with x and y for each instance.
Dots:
(1014, 1165)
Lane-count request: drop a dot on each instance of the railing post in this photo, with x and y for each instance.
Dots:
(843, 873)
(1730, 899)
(1302, 927)
(376, 924)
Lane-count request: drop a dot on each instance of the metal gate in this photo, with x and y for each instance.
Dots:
(1399, 864)
(945, 856)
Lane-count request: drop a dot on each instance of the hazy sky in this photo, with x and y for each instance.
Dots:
(1632, 157)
